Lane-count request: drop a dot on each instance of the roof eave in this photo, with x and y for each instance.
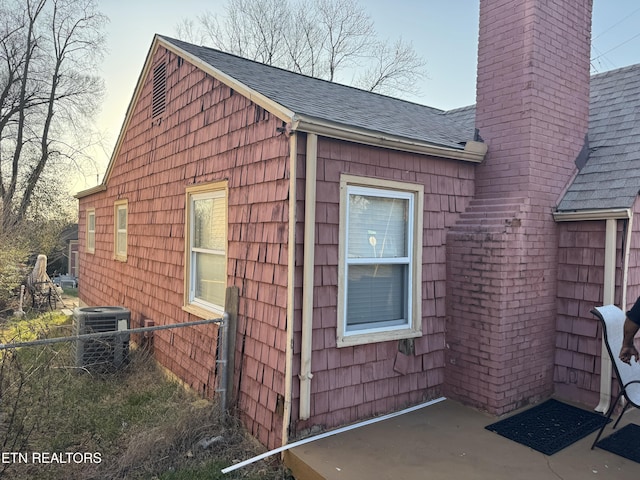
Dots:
(586, 215)
(473, 151)
(90, 191)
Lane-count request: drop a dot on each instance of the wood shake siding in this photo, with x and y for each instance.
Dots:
(206, 133)
(580, 288)
(357, 382)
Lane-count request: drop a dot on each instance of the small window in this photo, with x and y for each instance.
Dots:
(120, 230)
(206, 275)
(91, 231)
(380, 261)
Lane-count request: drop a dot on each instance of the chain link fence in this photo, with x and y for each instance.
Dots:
(61, 418)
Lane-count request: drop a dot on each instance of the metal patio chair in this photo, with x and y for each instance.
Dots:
(628, 376)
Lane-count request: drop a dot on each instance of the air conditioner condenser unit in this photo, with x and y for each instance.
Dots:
(105, 352)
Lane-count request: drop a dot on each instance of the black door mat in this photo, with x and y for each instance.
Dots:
(624, 442)
(549, 427)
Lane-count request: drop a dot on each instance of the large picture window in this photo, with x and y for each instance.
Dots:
(207, 247)
(380, 261)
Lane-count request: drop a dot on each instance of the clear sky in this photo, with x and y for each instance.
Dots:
(443, 32)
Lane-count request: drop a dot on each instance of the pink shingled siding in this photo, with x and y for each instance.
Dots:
(532, 111)
(580, 288)
(506, 291)
(207, 133)
(355, 383)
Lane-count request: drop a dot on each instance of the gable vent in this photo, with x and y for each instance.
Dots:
(159, 90)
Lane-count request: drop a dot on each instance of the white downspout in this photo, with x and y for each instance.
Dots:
(291, 259)
(607, 299)
(307, 275)
(625, 267)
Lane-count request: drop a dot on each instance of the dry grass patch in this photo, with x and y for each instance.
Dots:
(131, 424)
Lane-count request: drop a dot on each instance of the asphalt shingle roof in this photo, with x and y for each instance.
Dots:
(609, 179)
(611, 176)
(337, 103)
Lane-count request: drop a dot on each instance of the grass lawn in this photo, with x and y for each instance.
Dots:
(62, 422)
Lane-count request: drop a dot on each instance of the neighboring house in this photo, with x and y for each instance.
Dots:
(73, 268)
(65, 258)
(383, 256)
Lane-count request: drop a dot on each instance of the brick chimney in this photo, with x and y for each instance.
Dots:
(532, 110)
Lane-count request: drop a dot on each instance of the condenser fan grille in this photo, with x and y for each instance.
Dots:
(104, 352)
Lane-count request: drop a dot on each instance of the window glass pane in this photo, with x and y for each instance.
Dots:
(210, 277)
(122, 218)
(377, 227)
(209, 227)
(121, 247)
(377, 294)
(91, 231)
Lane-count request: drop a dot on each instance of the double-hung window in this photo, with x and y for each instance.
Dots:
(91, 230)
(380, 261)
(120, 230)
(206, 274)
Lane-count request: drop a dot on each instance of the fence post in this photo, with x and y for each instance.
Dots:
(231, 308)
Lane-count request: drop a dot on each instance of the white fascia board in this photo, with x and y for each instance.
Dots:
(473, 152)
(275, 108)
(90, 191)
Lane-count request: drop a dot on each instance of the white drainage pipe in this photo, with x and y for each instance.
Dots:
(329, 434)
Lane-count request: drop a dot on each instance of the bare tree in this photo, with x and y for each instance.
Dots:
(47, 94)
(304, 42)
(349, 33)
(322, 38)
(393, 71)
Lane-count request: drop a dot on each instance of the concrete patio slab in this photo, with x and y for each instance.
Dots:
(448, 441)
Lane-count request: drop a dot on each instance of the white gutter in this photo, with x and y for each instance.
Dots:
(307, 275)
(291, 267)
(586, 215)
(473, 151)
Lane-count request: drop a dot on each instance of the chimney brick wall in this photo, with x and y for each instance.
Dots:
(532, 94)
(532, 111)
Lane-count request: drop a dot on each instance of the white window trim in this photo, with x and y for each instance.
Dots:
(384, 188)
(194, 305)
(91, 212)
(120, 255)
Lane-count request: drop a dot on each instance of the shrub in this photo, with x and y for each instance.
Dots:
(12, 272)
